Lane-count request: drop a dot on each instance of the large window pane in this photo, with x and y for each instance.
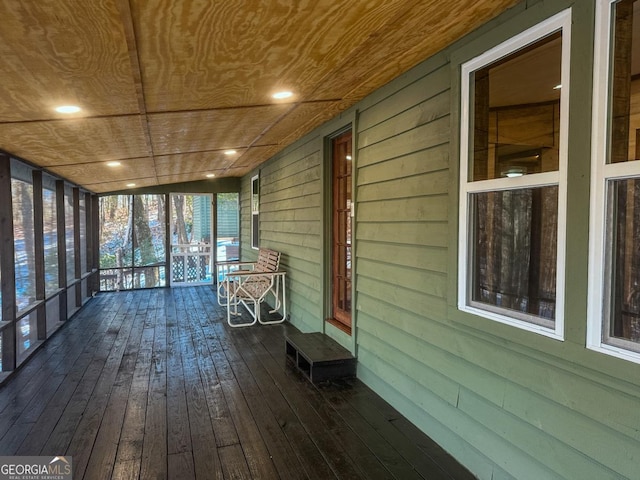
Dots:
(116, 247)
(622, 321)
(515, 250)
(83, 233)
(149, 230)
(623, 242)
(512, 185)
(22, 204)
(69, 234)
(49, 218)
(614, 295)
(191, 249)
(517, 112)
(149, 240)
(115, 232)
(624, 105)
(132, 241)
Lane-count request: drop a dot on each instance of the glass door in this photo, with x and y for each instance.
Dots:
(341, 231)
(191, 237)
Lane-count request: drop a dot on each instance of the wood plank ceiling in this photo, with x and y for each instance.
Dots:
(166, 86)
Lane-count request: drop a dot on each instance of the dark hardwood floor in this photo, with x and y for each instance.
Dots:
(154, 384)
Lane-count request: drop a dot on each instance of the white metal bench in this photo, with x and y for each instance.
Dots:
(249, 284)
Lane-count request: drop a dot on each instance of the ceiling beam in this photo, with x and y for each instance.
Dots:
(124, 7)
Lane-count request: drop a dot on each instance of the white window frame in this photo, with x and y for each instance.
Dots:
(559, 22)
(601, 174)
(255, 211)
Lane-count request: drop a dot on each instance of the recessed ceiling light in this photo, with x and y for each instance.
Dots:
(131, 184)
(68, 109)
(113, 164)
(282, 95)
(230, 152)
(557, 87)
(211, 175)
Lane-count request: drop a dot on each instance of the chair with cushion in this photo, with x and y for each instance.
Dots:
(249, 284)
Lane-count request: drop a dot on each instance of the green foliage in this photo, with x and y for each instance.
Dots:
(107, 260)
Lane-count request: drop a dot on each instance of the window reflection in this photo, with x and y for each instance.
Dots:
(516, 119)
(516, 250)
(50, 240)
(24, 246)
(623, 229)
(69, 234)
(83, 234)
(625, 94)
(514, 131)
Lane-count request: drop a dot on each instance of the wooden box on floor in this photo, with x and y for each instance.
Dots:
(319, 357)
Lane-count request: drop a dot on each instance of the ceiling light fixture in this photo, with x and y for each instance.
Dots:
(131, 184)
(211, 175)
(113, 164)
(349, 157)
(68, 109)
(230, 152)
(282, 95)
(514, 171)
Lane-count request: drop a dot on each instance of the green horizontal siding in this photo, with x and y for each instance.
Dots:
(447, 429)
(431, 160)
(420, 138)
(428, 183)
(290, 222)
(407, 98)
(434, 234)
(422, 208)
(412, 256)
(505, 402)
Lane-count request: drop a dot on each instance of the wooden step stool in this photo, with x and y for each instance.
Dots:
(319, 357)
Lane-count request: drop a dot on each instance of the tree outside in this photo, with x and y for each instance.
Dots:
(132, 241)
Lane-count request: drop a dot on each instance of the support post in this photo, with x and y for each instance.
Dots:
(77, 258)
(62, 248)
(38, 234)
(95, 241)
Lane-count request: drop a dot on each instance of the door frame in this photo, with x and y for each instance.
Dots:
(331, 327)
(211, 245)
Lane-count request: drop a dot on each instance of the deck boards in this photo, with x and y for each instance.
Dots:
(154, 384)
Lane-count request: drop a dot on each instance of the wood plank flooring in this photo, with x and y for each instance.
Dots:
(153, 384)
